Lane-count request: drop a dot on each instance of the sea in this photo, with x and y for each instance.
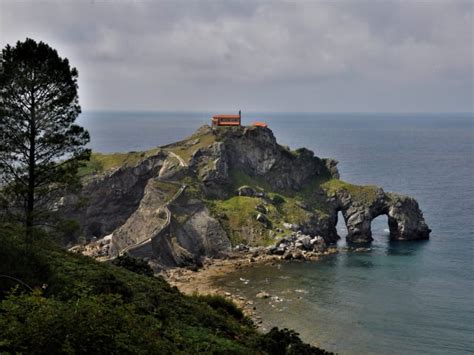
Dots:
(397, 298)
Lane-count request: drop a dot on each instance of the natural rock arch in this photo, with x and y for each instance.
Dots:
(405, 219)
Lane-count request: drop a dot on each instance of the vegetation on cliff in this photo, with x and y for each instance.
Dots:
(100, 163)
(54, 301)
(241, 187)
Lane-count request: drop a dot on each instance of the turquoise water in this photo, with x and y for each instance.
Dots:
(399, 298)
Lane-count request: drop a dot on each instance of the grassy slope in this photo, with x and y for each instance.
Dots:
(363, 193)
(100, 163)
(238, 213)
(185, 149)
(82, 306)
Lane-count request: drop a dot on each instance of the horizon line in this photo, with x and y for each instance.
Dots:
(277, 112)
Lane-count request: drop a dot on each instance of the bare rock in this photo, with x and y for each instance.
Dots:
(263, 294)
(246, 191)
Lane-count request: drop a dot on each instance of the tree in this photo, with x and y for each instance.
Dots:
(40, 146)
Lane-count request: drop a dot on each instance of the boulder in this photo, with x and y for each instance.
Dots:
(287, 255)
(306, 241)
(297, 254)
(241, 247)
(246, 191)
(263, 294)
(290, 226)
(299, 245)
(262, 218)
(261, 208)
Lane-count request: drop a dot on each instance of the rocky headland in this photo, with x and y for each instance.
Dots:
(224, 190)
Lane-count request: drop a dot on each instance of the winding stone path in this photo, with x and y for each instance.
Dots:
(144, 248)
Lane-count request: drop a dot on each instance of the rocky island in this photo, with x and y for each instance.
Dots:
(226, 188)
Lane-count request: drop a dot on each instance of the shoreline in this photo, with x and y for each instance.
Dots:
(203, 280)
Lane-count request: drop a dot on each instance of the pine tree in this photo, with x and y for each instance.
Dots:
(40, 146)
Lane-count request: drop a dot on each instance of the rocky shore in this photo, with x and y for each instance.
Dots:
(202, 280)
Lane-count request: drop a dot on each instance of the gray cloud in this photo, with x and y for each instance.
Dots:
(290, 56)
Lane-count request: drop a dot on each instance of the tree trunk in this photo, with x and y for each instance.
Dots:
(30, 207)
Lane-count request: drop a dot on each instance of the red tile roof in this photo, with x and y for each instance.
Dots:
(226, 116)
(259, 124)
(229, 124)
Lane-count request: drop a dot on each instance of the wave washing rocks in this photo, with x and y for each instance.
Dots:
(225, 186)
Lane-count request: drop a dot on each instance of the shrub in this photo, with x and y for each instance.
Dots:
(21, 266)
(89, 307)
(136, 265)
(101, 324)
(277, 199)
(219, 303)
(284, 341)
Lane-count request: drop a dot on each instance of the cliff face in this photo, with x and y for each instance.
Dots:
(254, 152)
(227, 186)
(405, 219)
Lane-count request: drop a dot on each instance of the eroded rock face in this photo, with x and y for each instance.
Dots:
(148, 218)
(405, 219)
(106, 202)
(145, 212)
(187, 242)
(202, 235)
(253, 151)
(146, 209)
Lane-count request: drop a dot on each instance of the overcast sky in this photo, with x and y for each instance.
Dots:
(320, 56)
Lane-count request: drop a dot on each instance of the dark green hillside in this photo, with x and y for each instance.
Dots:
(53, 301)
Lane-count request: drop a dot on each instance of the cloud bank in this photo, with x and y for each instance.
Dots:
(258, 55)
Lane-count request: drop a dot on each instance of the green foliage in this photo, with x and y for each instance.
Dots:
(82, 306)
(219, 303)
(277, 199)
(185, 149)
(102, 324)
(284, 341)
(240, 178)
(66, 230)
(21, 265)
(41, 148)
(365, 194)
(136, 265)
(237, 213)
(100, 163)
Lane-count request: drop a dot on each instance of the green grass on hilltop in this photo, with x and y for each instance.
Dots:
(240, 178)
(100, 163)
(363, 193)
(238, 216)
(185, 149)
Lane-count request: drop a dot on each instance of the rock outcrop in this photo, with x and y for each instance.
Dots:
(190, 199)
(253, 151)
(405, 219)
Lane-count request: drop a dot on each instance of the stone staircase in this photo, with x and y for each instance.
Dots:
(144, 248)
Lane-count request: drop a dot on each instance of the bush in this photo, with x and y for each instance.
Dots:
(136, 265)
(278, 199)
(219, 303)
(22, 266)
(79, 305)
(101, 324)
(283, 342)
